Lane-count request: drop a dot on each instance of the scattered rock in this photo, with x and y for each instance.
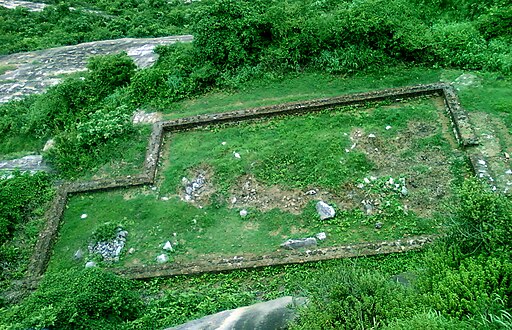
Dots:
(78, 254)
(168, 246)
(293, 244)
(372, 135)
(378, 225)
(165, 198)
(321, 236)
(325, 211)
(388, 128)
(237, 155)
(273, 314)
(163, 258)
(194, 187)
(110, 250)
(90, 264)
(83, 216)
(131, 250)
(243, 213)
(310, 192)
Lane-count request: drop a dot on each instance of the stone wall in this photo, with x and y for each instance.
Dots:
(462, 129)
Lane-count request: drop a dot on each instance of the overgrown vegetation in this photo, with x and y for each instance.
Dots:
(463, 283)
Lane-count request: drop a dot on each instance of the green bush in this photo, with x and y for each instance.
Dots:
(105, 232)
(353, 299)
(19, 196)
(109, 72)
(466, 287)
(77, 299)
(430, 321)
(483, 219)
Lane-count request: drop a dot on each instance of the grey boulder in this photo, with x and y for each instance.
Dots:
(270, 315)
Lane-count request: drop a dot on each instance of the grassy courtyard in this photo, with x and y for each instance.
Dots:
(357, 159)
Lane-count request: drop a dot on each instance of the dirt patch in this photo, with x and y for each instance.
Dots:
(248, 192)
(426, 171)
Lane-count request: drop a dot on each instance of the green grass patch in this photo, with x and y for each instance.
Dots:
(334, 152)
(305, 86)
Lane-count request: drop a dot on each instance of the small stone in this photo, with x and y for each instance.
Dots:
(243, 213)
(404, 191)
(163, 258)
(233, 200)
(78, 254)
(131, 250)
(321, 236)
(325, 211)
(507, 156)
(49, 145)
(223, 143)
(378, 225)
(366, 180)
(310, 192)
(371, 135)
(165, 198)
(83, 216)
(168, 246)
(373, 178)
(388, 128)
(90, 264)
(237, 155)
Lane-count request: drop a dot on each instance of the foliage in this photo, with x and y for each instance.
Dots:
(19, 196)
(465, 286)
(429, 320)
(355, 299)
(108, 72)
(106, 232)
(483, 220)
(82, 299)
(59, 24)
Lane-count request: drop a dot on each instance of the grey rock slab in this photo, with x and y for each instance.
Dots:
(325, 211)
(27, 163)
(293, 244)
(34, 72)
(31, 6)
(270, 315)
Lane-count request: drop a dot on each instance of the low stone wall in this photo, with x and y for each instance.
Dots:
(39, 261)
(245, 261)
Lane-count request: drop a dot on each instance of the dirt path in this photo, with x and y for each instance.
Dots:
(491, 157)
(33, 72)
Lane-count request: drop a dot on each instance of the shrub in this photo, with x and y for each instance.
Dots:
(105, 232)
(353, 299)
(19, 196)
(78, 299)
(108, 72)
(468, 286)
(103, 125)
(482, 222)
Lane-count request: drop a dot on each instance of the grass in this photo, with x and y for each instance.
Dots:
(283, 157)
(305, 86)
(4, 68)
